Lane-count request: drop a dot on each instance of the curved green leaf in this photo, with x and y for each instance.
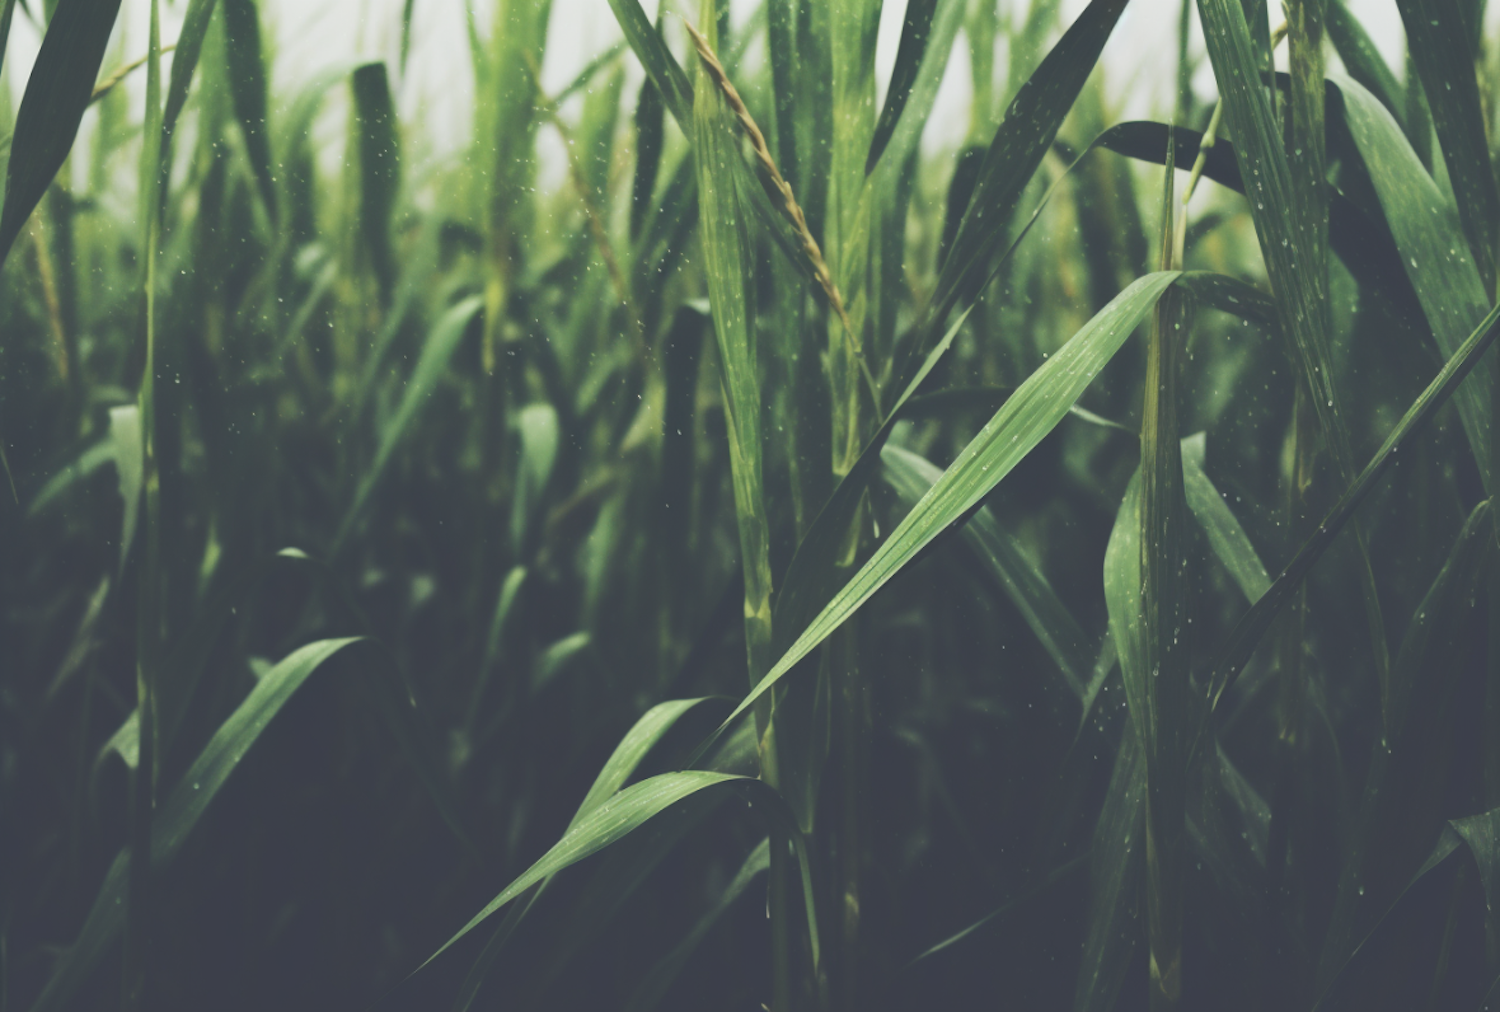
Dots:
(1425, 226)
(1443, 55)
(626, 812)
(1031, 412)
(177, 817)
(1236, 651)
(59, 90)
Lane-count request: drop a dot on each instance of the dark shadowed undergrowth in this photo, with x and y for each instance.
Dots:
(771, 561)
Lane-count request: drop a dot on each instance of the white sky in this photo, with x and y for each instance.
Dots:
(311, 35)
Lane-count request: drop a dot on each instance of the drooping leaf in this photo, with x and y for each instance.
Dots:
(631, 808)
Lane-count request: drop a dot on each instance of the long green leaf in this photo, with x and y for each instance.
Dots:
(195, 21)
(912, 476)
(1227, 539)
(627, 811)
(1426, 230)
(725, 262)
(1362, 59)
(1292, 235)
(1401, 815)
(59, 90)
(1035, 408)
(247, 79)
(1235, 653)
(622, 764)
(1443, 58)
(1030, 125)
(181, 812)
(916, 29)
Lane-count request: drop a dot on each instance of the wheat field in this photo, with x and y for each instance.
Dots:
(772, 561)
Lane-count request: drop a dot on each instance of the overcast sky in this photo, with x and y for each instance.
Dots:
(311, 35)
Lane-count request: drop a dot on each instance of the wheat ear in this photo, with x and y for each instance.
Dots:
(790, 209)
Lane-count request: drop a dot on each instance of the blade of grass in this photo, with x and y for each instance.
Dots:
(1019, 144)
(1235, 653)
(1157, 690)
(1035, 408)
(644, 735)
(379, 168)
(180, 813)
(1230, 545)
(436, 353)
(726, 256)
(1427, 234)
(247, 77)
(1053, 878)
(1443, 57)
(195, 21)
(1362, 60)
(1002, 556)
(57, 93)
(1401, 814)
(916, 29)
(631, 808)
(1286, 210)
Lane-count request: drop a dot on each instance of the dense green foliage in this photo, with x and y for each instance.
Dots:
(1082, 570)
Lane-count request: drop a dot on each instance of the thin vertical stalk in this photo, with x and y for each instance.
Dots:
(726, 264)
(1184, 65)
(1166, 695)
(137, 949)
(1281, 985)
(852, 32)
